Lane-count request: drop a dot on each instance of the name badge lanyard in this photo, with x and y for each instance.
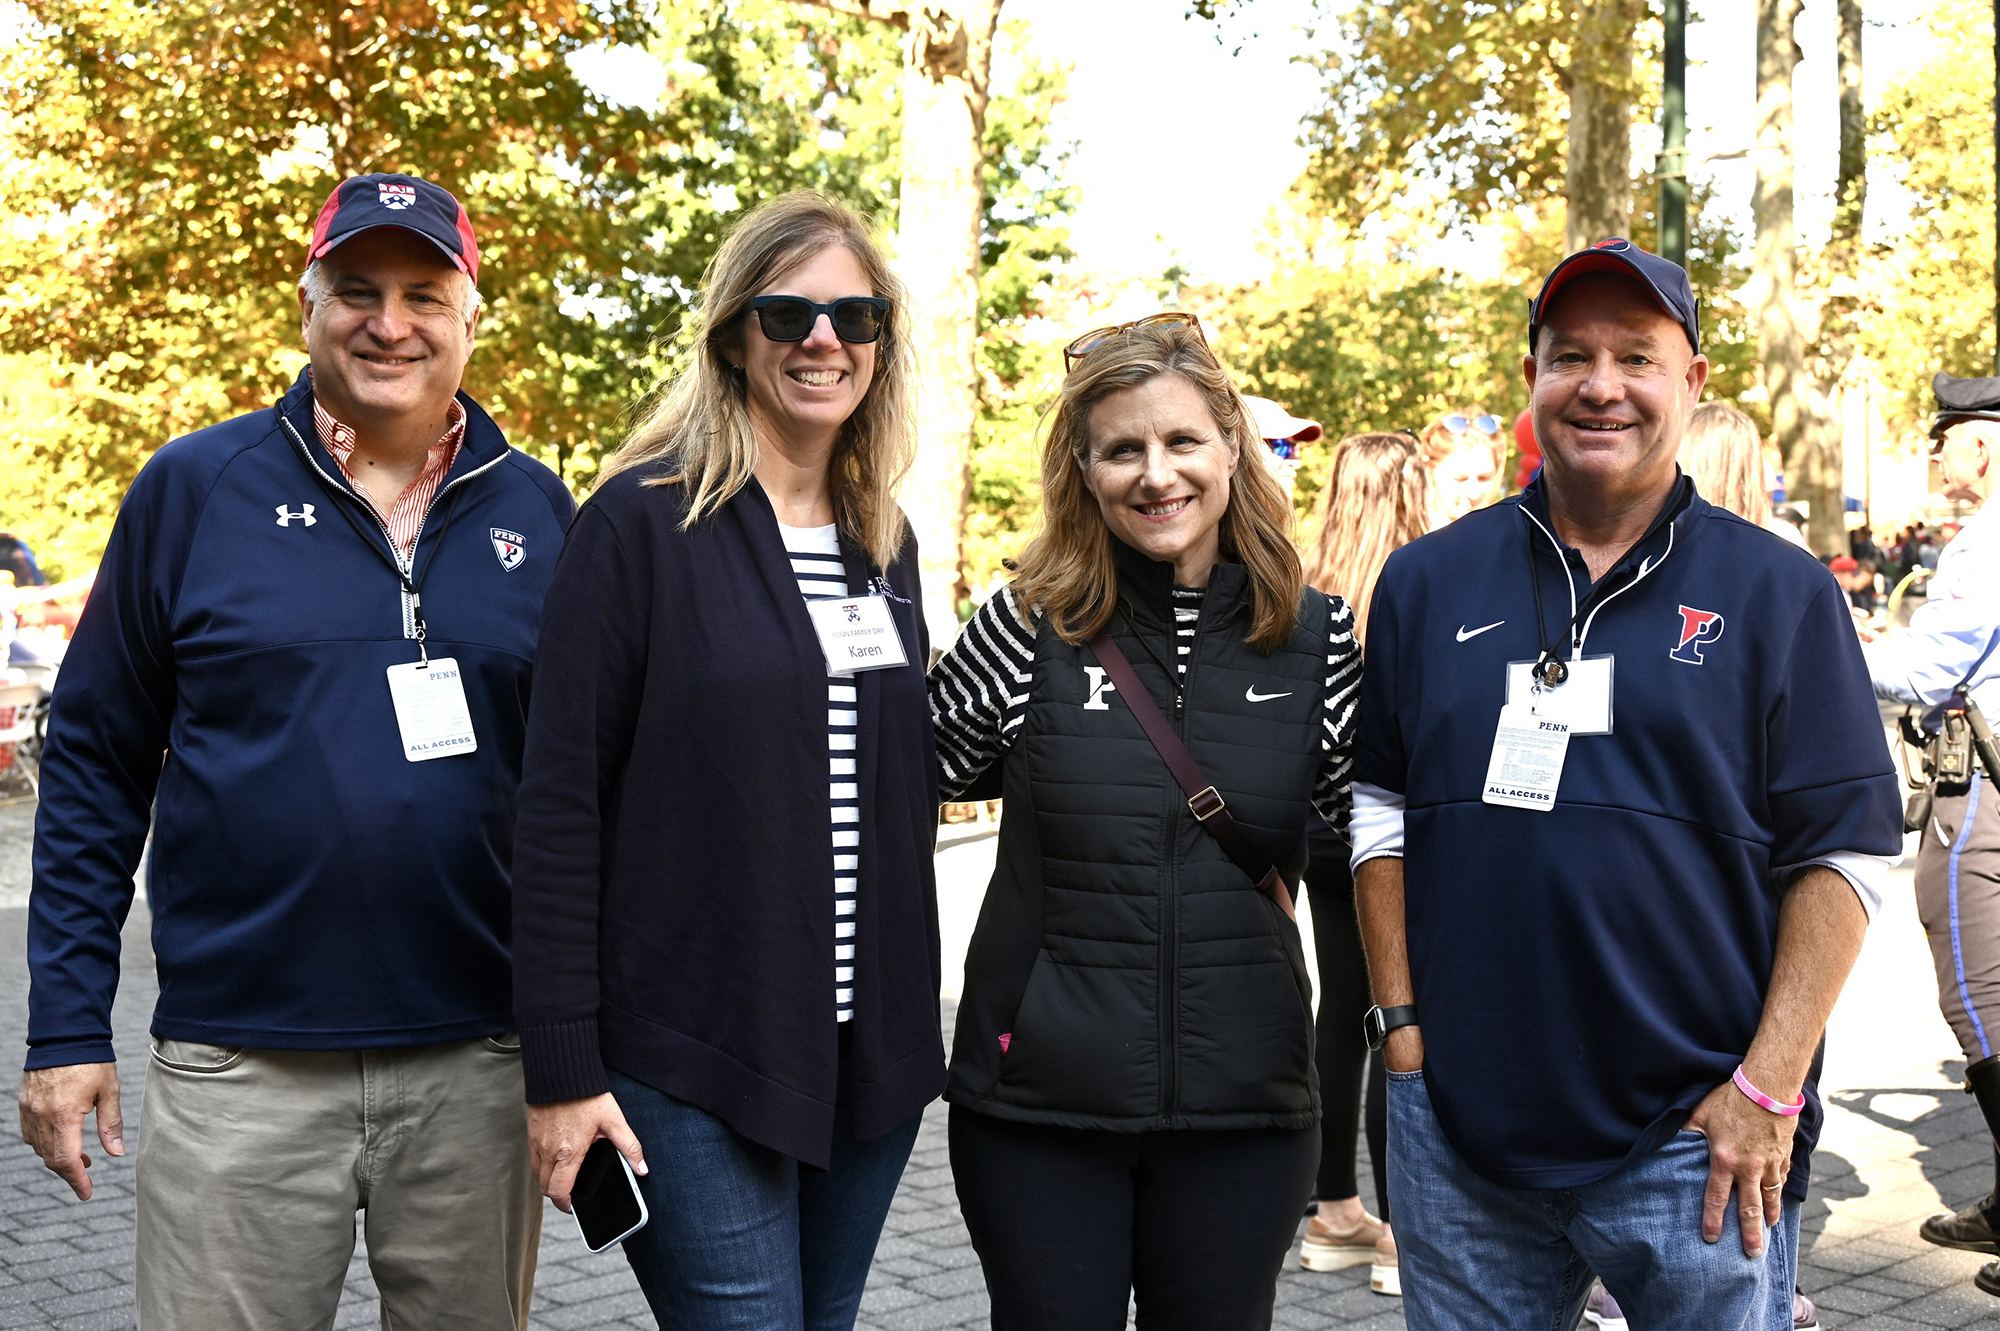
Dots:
(413, 587)
(1550, 670)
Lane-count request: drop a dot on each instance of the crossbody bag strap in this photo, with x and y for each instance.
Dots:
(1203, 800)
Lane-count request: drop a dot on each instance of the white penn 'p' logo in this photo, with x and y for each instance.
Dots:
(1099, 686)
(509, 547)
(305, 514)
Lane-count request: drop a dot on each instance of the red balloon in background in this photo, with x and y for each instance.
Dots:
(1531, 452)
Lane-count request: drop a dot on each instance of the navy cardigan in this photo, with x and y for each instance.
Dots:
(673, 884)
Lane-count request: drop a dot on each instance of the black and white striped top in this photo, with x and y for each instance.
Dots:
(979, 694)
(815, 553)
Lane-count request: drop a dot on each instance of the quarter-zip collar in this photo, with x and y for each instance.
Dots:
(482, 449)
(482, 446)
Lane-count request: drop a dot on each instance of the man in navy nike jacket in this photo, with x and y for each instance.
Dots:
(305, 666)
(1622, 811)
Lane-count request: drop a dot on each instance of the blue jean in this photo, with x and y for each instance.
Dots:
(1478, 1255)
(741, 1238)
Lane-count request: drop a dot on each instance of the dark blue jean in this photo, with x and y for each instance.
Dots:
(741, 1238)
(1479, 1257)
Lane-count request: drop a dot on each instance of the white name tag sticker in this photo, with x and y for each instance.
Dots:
(857, 633)
(430, 709)
(1583, 700)
(1527, 762)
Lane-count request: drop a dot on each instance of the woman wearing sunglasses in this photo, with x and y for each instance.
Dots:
(1167, 705)
(725, 927)
(1465, 451)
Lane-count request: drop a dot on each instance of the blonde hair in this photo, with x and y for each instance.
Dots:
(1067, 575)
(700, 424)
(1723, 454)
(1377, 498)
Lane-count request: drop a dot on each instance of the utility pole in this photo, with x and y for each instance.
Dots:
(1673, 148)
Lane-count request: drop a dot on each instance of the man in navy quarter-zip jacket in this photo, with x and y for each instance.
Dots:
(305, 664)
(1623, 809)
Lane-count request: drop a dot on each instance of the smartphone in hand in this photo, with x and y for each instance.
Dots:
(605, 1197)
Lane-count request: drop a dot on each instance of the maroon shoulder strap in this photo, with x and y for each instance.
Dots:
(1204, 802)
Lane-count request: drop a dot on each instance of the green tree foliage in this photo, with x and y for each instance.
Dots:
(1360, 332)
(1025, 240)
(166, 160)
(1927, 301)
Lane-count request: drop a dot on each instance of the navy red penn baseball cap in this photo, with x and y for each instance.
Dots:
(363, 203)
(1667, 280)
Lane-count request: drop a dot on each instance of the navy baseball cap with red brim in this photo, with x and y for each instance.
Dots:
(1665, 279)
(365, 203)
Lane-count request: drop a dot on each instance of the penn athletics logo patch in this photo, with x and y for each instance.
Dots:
(509, 546)
(398, 197)
(1697, 627)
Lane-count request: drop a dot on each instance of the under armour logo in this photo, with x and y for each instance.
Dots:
(1099, 686)
(305, 514)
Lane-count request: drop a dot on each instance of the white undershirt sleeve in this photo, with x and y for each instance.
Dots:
(1375, 829)
(1867, 874)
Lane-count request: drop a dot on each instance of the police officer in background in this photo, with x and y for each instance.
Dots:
(1946, 658)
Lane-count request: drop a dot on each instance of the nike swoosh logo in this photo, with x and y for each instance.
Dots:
(1251, 695)
(1464, 633)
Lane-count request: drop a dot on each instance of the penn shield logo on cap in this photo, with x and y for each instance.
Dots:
(364, 203)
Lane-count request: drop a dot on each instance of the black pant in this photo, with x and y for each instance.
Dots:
(1342, 1050)
(1070, 1223)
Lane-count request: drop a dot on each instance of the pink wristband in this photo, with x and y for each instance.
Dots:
(1759, 1098)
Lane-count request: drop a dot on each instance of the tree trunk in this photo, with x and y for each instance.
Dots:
(1850, 195)
(1597, 169)
(937, 253)
(1781, 335)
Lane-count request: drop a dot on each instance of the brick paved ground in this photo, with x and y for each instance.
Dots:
(1900, 1141)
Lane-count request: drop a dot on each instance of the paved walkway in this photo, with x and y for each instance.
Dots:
(1900, 1141)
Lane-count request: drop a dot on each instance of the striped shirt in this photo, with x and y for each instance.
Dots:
(405, 518)
(979, 694)
(815, 554)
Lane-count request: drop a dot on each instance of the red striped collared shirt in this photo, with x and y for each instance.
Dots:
(405, 518)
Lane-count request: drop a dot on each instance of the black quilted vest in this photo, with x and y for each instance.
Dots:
(1124, 974)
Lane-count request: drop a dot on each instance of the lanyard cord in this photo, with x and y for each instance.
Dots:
(1550, 670)
(413, 588)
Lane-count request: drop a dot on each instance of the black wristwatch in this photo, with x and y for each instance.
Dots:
(1381, 1020)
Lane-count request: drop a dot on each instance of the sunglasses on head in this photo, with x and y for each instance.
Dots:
(1484, 423)
(791, 318)
(1097, 337)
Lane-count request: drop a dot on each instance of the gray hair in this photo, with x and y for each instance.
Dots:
(314, 284)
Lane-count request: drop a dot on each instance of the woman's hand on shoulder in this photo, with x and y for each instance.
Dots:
(560, 1134)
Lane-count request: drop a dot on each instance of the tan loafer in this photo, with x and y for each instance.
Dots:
(1384, 1276)
(1329, 1249)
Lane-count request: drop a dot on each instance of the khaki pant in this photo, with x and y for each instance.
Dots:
(252, 1164)
(1958, 899)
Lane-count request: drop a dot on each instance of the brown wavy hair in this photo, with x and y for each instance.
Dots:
(700, 423)
(1377, 497)
(1066, 574)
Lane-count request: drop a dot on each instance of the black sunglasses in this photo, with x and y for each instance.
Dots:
(791, 318)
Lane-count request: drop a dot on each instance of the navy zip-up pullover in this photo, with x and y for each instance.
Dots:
(1585, 975)
(311, 888)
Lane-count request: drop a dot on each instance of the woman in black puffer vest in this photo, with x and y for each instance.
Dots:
(1132, 1088)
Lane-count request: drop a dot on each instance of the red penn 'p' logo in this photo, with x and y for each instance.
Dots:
(1697, 627)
